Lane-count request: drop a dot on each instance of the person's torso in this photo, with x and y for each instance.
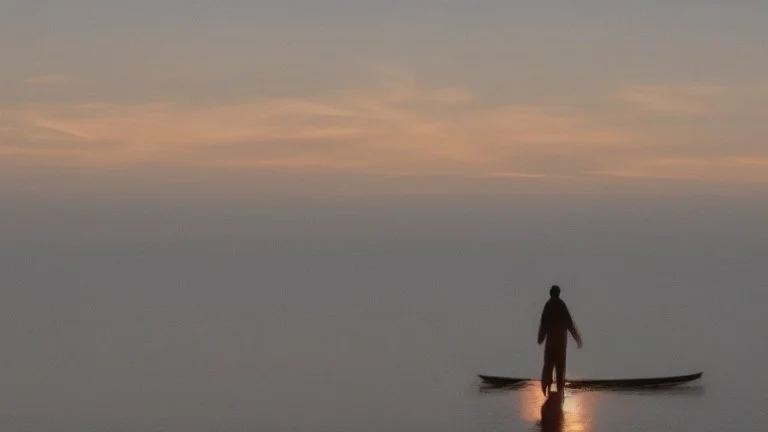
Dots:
(556, 322)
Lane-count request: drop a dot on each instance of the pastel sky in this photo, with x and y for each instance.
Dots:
(517, 91)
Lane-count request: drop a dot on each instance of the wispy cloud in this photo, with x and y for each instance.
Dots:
(733, 168)
(48, 80)
(394, 125)
(685, 100)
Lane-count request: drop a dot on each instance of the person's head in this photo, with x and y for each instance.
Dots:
(554, 291)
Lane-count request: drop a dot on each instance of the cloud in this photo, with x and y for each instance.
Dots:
(739, 169)
(393, 125)
(48, 80)
(685, 100)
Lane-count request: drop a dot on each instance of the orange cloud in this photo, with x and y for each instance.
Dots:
(394, 126)
(686, 100)
(48, 79)
(740, 169)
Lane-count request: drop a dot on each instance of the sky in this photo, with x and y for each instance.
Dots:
(495, 94)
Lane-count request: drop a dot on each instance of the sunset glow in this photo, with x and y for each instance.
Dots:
(577, 409)
(334, 89)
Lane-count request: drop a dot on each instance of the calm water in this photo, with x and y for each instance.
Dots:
(376, 314)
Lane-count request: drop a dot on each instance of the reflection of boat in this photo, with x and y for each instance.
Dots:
(631, 383)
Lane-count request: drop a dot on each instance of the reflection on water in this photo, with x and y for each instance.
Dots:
(571, 414)
(578, 411)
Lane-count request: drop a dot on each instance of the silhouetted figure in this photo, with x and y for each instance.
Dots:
(556, 322)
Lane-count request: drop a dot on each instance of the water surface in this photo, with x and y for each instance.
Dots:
(376, 313)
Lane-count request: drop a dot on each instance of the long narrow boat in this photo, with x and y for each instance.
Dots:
(630, 383)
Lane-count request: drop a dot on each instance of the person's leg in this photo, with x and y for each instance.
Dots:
(560, 370)
(546, 374)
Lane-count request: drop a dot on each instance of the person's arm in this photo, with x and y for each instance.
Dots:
(572, 328)
(543, 324)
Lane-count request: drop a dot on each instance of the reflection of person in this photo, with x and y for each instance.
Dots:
(556, 322)
(552, 414)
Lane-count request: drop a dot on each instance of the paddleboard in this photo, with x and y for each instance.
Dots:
(627, 383)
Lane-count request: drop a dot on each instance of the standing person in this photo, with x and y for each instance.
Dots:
(556, 322)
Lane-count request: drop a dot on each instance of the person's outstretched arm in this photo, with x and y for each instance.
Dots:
(572, 328)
